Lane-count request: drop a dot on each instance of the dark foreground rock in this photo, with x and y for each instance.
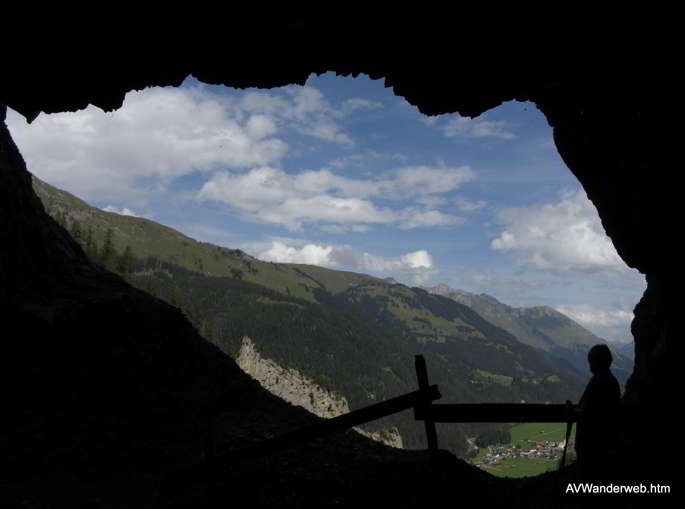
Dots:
(109, 391)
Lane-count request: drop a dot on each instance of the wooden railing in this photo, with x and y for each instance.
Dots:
(483, 412)
(420, 400)
(334, 425)
(207, 470)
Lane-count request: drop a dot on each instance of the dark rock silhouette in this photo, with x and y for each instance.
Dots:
(104, 379)
(111, 391)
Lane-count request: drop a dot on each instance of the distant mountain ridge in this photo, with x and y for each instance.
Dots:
(496, 312)
(542, 327)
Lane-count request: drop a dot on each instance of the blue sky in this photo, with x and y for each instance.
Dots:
(344, 174)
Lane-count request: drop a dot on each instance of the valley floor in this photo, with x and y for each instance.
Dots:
(535, 448)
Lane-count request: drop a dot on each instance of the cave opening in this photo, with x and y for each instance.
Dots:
(528, 228)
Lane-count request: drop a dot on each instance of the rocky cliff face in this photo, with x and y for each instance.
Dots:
(298, 389)
(290, 384)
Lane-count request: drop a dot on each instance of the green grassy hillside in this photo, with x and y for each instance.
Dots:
(147, 238)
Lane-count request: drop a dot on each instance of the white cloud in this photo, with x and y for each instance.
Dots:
(261, 126)
(610, 324)
(512, 289)
(463, 127)
(366, 159)
(416, 218)
(299, 104)
(458, 127)
(272, 195)
(207, 233)
(466, 205)
(337, 228)
(418, 259)
(125, 211)
(292, 213)
(357, 103)
(591, 316)
(310, 254)
(566, 236)
(343, 256)
(305, 109)
(430, 121)
(162, 133)
(412, 181)
(432, 201)
(327, 130)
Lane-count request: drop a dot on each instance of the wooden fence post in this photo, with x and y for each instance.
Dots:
(422, 378)
(429, 424)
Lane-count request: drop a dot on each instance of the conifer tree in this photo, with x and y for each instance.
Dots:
(88, 243)
(75, 230)
(125, 262)
(61, 218)
(108, 253)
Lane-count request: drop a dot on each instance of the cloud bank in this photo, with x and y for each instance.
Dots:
(592, 316)
(343, 256)
(236, 145)
(562, 237)
(610, 324)
(160, 134)
(464, 128)
(413, 267)
(272, 195)
(125, 211)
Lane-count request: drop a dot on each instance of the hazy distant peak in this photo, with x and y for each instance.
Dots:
(541, 312)
(441, 289)
(494, 300)
(536, 310)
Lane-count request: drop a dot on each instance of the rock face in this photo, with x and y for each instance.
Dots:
(289, 384)
(102, 374)
(297, 389)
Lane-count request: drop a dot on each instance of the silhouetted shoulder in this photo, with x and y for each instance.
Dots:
(603, 390)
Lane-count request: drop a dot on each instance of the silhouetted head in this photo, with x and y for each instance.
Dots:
(600, 359)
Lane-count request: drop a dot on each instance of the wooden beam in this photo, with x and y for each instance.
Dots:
(422, 378)
(431, 432)
(336, 424)
(321, 429)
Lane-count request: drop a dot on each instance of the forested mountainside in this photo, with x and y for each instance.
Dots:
(353, 334)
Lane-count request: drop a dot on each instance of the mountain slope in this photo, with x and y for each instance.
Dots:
(497, 313)
(563, 340)
(150, 239)
(351, 333)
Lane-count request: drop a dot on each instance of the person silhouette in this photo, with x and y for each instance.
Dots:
(597, 416)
